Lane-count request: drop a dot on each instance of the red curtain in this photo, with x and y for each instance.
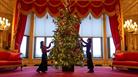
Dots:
(20, 31)
(115, 31)
(81, 8)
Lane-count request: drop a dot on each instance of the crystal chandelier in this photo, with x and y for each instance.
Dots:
(130, 26)
(4, 23)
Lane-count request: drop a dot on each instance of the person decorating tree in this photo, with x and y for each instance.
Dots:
(89, 55)
(43, 65)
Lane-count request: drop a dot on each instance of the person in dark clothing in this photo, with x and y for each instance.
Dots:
(89, 55)
(43, 66)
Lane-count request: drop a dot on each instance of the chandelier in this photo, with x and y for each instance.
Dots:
(130, 26)
(4, 23)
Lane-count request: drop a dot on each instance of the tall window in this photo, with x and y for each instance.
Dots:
(44, 27)
(112, 47)
(92, 27)
(97, 47)
(24, 44)
(23, 48)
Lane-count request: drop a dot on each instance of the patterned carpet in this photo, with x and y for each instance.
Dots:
(99, 71)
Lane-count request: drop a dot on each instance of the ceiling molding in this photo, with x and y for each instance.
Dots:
(129, 7)
(135, 13)
(4, 4)
(6, 15)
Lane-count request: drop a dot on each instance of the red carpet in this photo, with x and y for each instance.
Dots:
(79, 72)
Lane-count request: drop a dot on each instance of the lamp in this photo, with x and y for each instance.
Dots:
(4, 23)
(130, 26)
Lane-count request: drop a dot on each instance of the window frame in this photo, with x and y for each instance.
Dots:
(92, 48)
(45, 37)
(27, 46)
(108, 44)
(34, 56)
(101, 48)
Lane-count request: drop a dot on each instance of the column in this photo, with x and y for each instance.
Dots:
(31, 40)
(105, 54)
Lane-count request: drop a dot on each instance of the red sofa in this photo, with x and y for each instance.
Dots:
(9, 59)
(125, 60)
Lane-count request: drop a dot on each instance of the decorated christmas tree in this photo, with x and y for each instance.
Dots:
(67, 49)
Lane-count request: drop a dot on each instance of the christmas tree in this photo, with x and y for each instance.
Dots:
(67, 49)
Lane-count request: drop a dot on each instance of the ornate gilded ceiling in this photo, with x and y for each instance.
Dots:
(6, 8)
(130, 9)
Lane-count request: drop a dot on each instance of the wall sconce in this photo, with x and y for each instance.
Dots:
(4, 23)
(130, 26)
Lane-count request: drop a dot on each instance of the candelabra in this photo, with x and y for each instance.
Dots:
(131, 33)
(130, 26)
(4, 24)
